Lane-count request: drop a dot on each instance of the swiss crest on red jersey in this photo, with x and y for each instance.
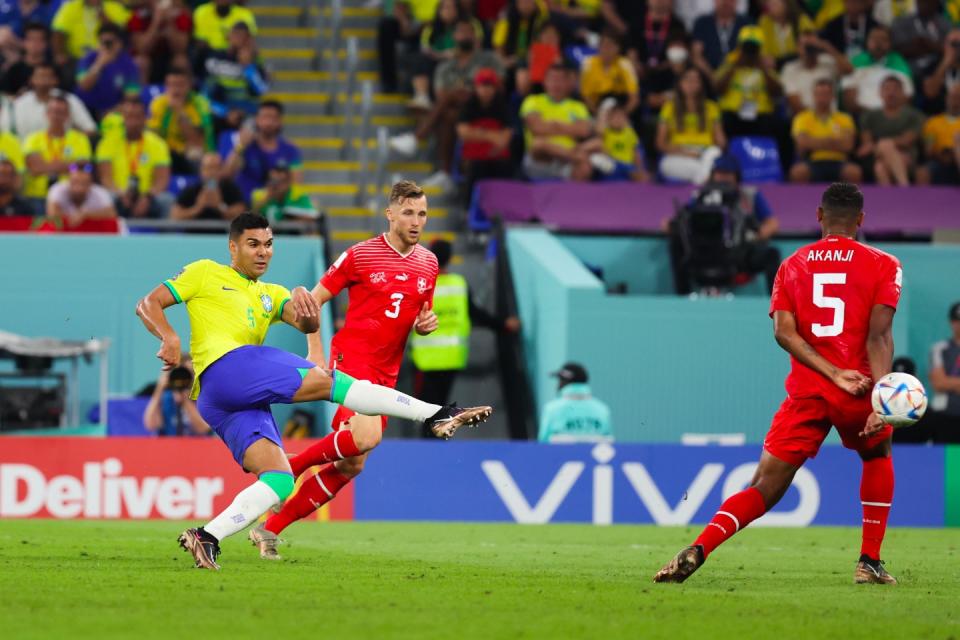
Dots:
(378, 277)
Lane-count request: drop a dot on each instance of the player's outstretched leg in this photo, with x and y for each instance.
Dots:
(876, 495)
(373, 400)
(275, 483)
(770, 482)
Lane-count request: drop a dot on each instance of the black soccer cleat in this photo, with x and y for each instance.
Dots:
(444, 423)
(870, 571)
(682, 566)
(202, 546)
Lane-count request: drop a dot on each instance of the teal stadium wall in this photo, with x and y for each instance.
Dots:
(670, 365)
(79, 287)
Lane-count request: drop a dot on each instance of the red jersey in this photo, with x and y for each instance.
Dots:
(831, 287)
(387, 290)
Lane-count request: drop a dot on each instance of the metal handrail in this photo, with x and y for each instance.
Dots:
(346, 110)
(366, 107)
(317, 226)
(336, 24)
(380, 177)
(303, 20)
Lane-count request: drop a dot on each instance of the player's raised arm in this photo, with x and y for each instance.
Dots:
(302, 311)
(785, 332)
(150, 310)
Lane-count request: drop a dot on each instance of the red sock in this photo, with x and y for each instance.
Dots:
(876, 494)
(334, 446)
(315, 492)
(734, 514)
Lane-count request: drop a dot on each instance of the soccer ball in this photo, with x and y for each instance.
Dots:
(899, 399)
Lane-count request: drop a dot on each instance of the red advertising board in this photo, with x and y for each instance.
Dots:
(128, 478)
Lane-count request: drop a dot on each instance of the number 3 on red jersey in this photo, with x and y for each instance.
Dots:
(394, 310)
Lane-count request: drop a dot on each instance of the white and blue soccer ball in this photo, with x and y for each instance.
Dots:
(899, 399)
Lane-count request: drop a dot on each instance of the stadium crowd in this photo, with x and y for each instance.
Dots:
(148, 108)
(658, 89)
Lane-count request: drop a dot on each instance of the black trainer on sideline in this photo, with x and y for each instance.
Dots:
(870, 571)
(682, 566)
(204, 548)
(444, 423)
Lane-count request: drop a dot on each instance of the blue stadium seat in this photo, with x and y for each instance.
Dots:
(758, 157)
(578, 53)
(180, 182)
(149, 92)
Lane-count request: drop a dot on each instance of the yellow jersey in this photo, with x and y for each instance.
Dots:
(621, 145)
(690, 134)
(80, 23)
(597, 80)
(138, 158)
(568, 111)
(747, 93)
(226, 310)
(810, 124)
(940, 131)
(209, 27)
(73, 146)
(11, 150)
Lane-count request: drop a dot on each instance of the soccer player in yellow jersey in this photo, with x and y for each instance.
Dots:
(237, 378)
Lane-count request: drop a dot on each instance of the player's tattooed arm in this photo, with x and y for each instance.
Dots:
(785, 332)
(150, 310)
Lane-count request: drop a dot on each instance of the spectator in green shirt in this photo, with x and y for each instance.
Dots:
(281, 199)
(861, 89)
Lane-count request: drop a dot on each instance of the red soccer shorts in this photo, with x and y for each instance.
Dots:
(801, 424)
(343, 414)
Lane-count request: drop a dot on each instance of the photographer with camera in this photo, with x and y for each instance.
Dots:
(747, 84)
(170, 411)
(722, 234)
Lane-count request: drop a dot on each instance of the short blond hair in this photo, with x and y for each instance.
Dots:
(405, 189)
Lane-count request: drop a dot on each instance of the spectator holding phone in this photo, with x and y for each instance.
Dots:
(213, 198)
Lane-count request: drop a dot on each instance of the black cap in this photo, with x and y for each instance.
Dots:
(570, 373)
(180, 379)
(955, 311)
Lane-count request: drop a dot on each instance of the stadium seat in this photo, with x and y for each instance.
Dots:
(180, 182)
(578, 53)
(149, 92)
(758, 157)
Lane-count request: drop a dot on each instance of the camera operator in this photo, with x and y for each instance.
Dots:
(749, 226)
(170, 411)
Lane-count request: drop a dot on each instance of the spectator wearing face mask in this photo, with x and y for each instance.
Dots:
(660, 84)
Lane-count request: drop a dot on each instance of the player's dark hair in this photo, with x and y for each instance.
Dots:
(842, 200)
(405, 189)
(246, 221)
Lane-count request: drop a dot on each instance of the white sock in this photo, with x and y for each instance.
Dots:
(373, 400)
(250, 504)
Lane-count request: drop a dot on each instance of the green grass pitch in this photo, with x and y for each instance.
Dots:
(69, 579)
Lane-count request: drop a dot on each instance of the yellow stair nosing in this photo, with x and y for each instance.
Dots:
(317, 76)
(377, 121)
(322, 97)
(348, 165)
(285, 11)
(311, 32)
(335, 143)
(351, 189)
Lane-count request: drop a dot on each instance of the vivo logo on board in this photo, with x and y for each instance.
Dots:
(543, 508)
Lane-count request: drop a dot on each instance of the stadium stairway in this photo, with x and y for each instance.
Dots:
(287, 47)
(330, 174)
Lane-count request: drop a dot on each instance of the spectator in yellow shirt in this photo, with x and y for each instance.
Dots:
(50, 152)
(212, 22)
(516, 31)
(941, 136)
(182, 119)
(558, 131)
(781, 27)
(134, 165)
(76, 24)
(609, 73)
(689, 134)
(824, 139)
(622, 157)
(747, 85)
